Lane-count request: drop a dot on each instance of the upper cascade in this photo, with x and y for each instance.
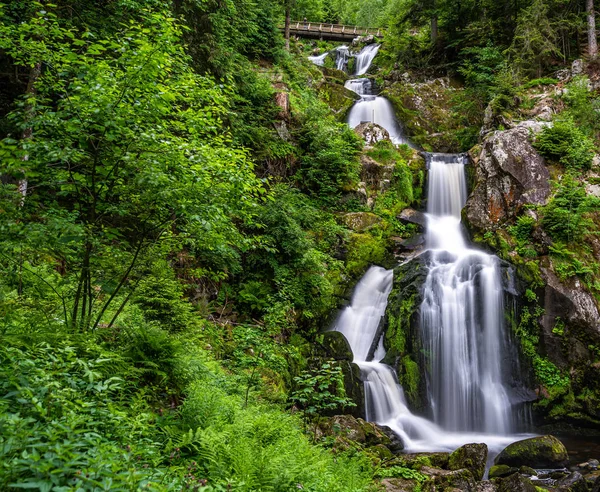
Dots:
(365, 58)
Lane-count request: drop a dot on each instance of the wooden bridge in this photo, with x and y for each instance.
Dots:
(330, 32)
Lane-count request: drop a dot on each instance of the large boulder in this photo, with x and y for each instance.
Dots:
(371, 133)
(360, 221)
(411, 216)
(536, 452)
(509, 174)
(399, 485)
(473, 457)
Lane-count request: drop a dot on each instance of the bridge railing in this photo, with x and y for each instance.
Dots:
(334, 28)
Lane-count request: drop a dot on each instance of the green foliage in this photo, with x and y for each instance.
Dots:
(565, 143)
(563, 216)
(329, 162)
(363, 250)
(319, 390)
(402, 472)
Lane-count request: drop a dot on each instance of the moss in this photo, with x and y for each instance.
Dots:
(363, 250)
(410, 378)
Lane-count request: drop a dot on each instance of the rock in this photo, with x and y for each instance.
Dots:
(473, 457)
(536, 452)
(411, 216)
(381, 452)
(410, 244)
(574, 306)
(526, 470)
(371, 133)
(577, 67)
(573, 483)
(498, 471)
(395, 444)
(399, 485)
(416, 460)
(515, 483)
(486, 486)
(282, 99)
(346, 426)
(339, 99)
(336, 346)
(360, 221)
(445, 479)
(509, 174)
(369, 39)
(374, 174)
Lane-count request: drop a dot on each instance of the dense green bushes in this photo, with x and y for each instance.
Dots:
(565, 143)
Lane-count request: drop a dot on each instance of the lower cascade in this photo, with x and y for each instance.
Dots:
(461, 327)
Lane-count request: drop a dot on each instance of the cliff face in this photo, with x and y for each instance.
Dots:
(558, 319)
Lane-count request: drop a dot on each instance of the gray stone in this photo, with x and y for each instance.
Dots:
(399, 485)
(411, 216)
(573, 483)
(515, 483)
(509, 174)
(577, 67)
(371, 133)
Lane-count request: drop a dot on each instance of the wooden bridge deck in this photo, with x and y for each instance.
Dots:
(330, 32)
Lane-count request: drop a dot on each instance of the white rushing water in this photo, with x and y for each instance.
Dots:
(462, 330)
(341, 59)
(319, 60)
(374, 109)
(365, 58)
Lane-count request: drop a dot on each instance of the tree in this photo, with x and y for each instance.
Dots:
(592, 40)
(126, 151)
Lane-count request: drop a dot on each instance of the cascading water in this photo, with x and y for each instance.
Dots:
(462, 314)
(319, 60)
(462, 331)
(342, 55)
(365, 58)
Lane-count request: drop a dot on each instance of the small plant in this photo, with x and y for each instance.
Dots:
(320, 390)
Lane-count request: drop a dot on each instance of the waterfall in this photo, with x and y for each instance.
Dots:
(342, 55)
(461, 327)
(462, 315)
(319, 60)
(374, 109)
(365, 58)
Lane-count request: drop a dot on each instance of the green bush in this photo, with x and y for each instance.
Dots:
(566, 144)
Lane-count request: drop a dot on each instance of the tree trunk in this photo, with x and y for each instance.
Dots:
(288, 10)
(434, 24)
(31, 91)
(592, 40)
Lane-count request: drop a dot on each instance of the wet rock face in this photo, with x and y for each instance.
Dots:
(536, 452)
(509, 174)
(473, 457)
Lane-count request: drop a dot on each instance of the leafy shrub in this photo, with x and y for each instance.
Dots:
(563, 215)
(565, 143)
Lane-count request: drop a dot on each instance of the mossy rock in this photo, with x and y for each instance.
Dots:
(515, 483)
(500, 471)
(380, 452)
(339, 99)
(473, 457)
(361, 221)
(336, 346)
(536, 452)
(416, 461)
(445, 479)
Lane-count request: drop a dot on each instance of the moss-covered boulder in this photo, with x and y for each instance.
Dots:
(499, 471)
(473, 457)
(361, 221)
(399, 485)
(515, 483)
(339, 99)
(536, 452)
(446, 479)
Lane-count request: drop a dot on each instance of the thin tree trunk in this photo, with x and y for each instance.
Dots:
(592, 40)
(288, 20)
(34, 75)
(434, 24)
